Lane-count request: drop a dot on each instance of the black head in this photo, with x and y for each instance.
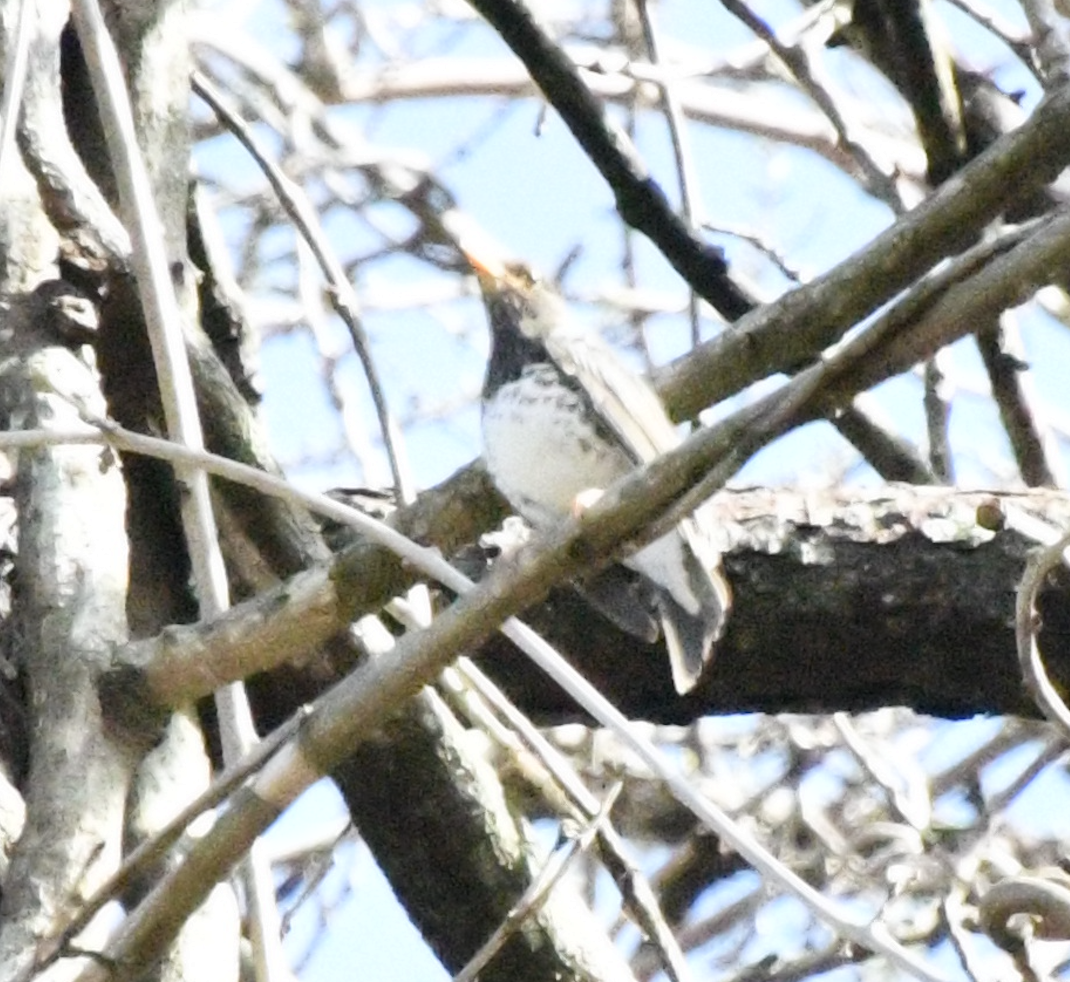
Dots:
(518, 311)
(511, 348)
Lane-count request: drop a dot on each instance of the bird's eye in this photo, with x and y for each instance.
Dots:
(523, 277)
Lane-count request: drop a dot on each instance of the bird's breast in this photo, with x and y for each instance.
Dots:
(542, 447)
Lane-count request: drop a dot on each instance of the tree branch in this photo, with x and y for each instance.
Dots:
(640, 200)
(787, 333)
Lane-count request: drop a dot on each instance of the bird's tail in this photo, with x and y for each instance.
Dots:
(689, 639)
(690, 634)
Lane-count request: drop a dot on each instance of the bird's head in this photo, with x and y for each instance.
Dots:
(515, 298)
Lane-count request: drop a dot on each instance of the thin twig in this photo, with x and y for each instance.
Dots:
(639, 896)
(1050, 42)
(1052, 749)
(955, 915)
(307, 223)
(636, 317)
(797, 61)
(539, 890)
(905, 790)
(937, 407)
(690, 204)
(1027, 624)
(1031, 442)
(993, 21)
(14, 85)
(640, 201)
(160, 306)
(889, 454)
(759, 242)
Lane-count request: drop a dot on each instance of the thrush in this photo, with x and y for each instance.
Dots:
(564, 416)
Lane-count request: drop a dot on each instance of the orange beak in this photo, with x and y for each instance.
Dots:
(484, 255)
(486, 266)
(485, 262)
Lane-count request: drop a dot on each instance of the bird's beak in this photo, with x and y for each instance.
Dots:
(485, 256)
(489, 269)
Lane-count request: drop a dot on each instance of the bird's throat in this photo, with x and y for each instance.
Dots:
(510, 352)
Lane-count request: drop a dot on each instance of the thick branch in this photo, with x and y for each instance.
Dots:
(72, 592)
(490, 860)
(843, 601)
(834, 596)
(787, 333)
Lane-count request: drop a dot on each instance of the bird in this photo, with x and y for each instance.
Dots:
(563, 417)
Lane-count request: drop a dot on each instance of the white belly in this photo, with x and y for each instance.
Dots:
(542, 460)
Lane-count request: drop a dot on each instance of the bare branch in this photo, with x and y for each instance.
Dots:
(640, 201)
(796, 327)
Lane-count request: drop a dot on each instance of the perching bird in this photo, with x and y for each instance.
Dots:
(562, 417)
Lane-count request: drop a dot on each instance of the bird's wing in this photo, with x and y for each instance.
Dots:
(624, 401)
(683, 566)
